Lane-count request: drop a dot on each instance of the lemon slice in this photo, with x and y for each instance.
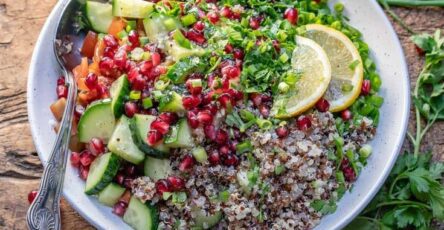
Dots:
(346, 65)
(311, 62)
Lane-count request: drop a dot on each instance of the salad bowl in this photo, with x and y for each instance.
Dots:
(386, 51)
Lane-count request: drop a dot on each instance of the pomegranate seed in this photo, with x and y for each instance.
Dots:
(233, 144)
(231, 160)
(366, 87)
(322, 105)
(205, 117)
(348, 171)
(186, 164)
(190, 102)
(153, 137)
(103, 91)
(303, 123)
(155, 58)
(91, 81)
(120, 208)
(130, 170)
(235, 94)
(226, 12)
(256, 98)
(228, 48)
(264, 110)
(31, 196)
(120, 178)
(233, 72)
(282, 131)
(84, 171)
(176, 183)
(238, 54)
(74, 158)
(127, 182)
(210, 132)
(255, 23)
(109, 52)
(214, 158)
(213, 17)
(221, 137)
(199, 26)
(224, 150)
(291, 14)
(138, 83)
(420, 51)
(276, 46)
(162, 186)
(106, 66)
(62, 91)
(130, 109)
(194, 90)
(61, 80)
(86, 158)
(161, 126)
(212, 107)
(133, 37)
(168, 117)
(120, 58)
(192, 119)
(132, 74)
(96, 146)
(145, 67)
(226, 101)
(195, 36)
(110, 41)
(346, 115)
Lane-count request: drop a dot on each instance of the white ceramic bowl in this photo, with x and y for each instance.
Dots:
(365, 15)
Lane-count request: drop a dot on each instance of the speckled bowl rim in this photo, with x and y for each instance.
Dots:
(395, 111)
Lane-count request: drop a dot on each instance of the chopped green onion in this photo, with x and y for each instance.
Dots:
(264, 124)
(283, 87)
(278, 170)
(196, 82)
(284, 58)
(244, 147)
(130, 25)
(200, 154)
(365, 151)
(247, 115)
(161, 85)
(224, 196)
(188, 19)
(340, 177)
(147, 103)
(170, 24)
(135, 95)
(137, 54)
(181, 39)
(146, 56)
(122, 34)
(281, 35)
(144, 40)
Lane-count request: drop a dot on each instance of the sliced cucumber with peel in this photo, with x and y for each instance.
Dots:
(171, 102)
(157, 26)
(157, 169)
(183, 138)
(121, 143)
(99, 15)
(132, 8)
(119, 91)
(101, 172)
(111, 194)
(141, 216)
(140, 125)
(97, 121)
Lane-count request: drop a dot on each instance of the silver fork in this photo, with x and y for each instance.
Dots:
(44, 212)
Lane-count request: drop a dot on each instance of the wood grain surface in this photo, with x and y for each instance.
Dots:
(20, 168)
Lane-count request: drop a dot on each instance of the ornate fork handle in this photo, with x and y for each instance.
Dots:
(44, 212)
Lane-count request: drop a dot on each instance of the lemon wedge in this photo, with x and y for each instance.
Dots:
(346, 65)
(311, 63)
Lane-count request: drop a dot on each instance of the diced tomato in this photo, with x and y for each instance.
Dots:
(89, 44)
(116, 26)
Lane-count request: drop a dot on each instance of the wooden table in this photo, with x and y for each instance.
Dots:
(20, 167)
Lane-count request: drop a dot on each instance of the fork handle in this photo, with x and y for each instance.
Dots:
(44, 212)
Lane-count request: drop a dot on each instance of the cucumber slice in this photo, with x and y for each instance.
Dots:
(132, 8)
(141, 216)
(156, 168)
(119, 91)
(101, 173)
(171, 102)
(140, 125)
(200, 154)
(122, 144)
(111, 194)
(99, 15)
(184, 138)
(178, 52)
(97, 121)
(203, 220)
(157, 26)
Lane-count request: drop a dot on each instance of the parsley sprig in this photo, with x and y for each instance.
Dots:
(413, 194)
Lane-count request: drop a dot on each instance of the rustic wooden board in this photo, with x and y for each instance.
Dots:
(20, 168)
